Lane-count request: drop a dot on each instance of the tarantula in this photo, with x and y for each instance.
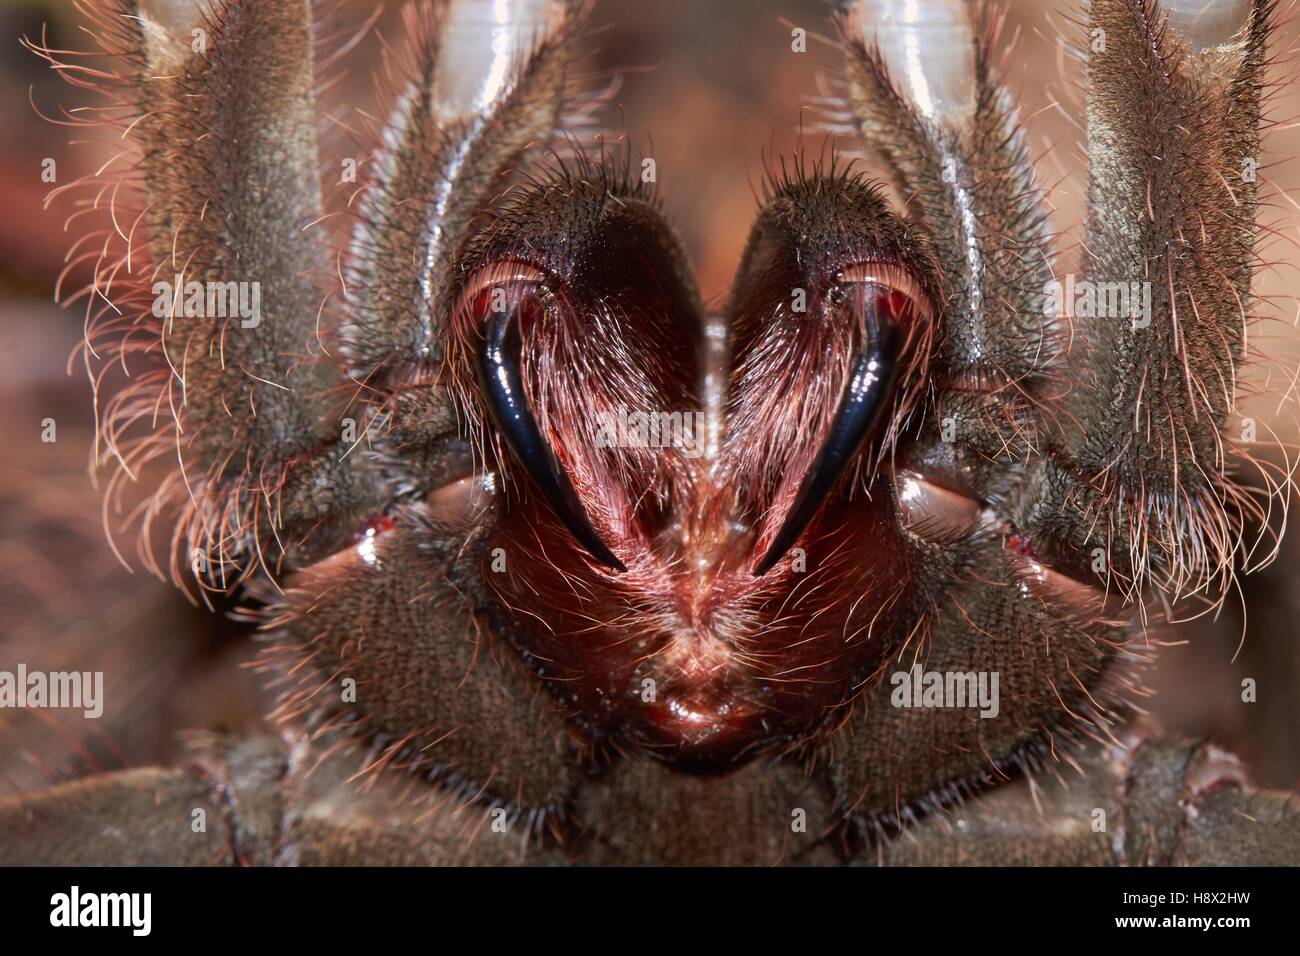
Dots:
(586, 575)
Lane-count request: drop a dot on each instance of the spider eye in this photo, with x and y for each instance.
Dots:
(884, 303)
(507, 301)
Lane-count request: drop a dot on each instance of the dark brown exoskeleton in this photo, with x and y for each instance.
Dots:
(588, 576)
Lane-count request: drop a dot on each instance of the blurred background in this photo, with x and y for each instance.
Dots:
(715, 86)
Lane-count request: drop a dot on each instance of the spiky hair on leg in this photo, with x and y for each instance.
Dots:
(1147, 456)
(452, 137)
(207, 280)
(212, 203)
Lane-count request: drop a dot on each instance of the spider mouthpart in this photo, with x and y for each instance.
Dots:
(504, 306)
(884, 314)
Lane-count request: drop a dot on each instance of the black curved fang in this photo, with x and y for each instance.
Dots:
(860, 407)
(502, 387)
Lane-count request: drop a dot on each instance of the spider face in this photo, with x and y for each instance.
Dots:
(659, 478)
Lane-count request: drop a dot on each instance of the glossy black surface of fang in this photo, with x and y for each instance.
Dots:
(861, 405)
(502, 387)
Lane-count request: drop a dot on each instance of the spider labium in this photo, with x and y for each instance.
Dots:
(907, 561)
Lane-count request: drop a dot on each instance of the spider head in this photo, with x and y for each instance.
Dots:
(697, 543)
